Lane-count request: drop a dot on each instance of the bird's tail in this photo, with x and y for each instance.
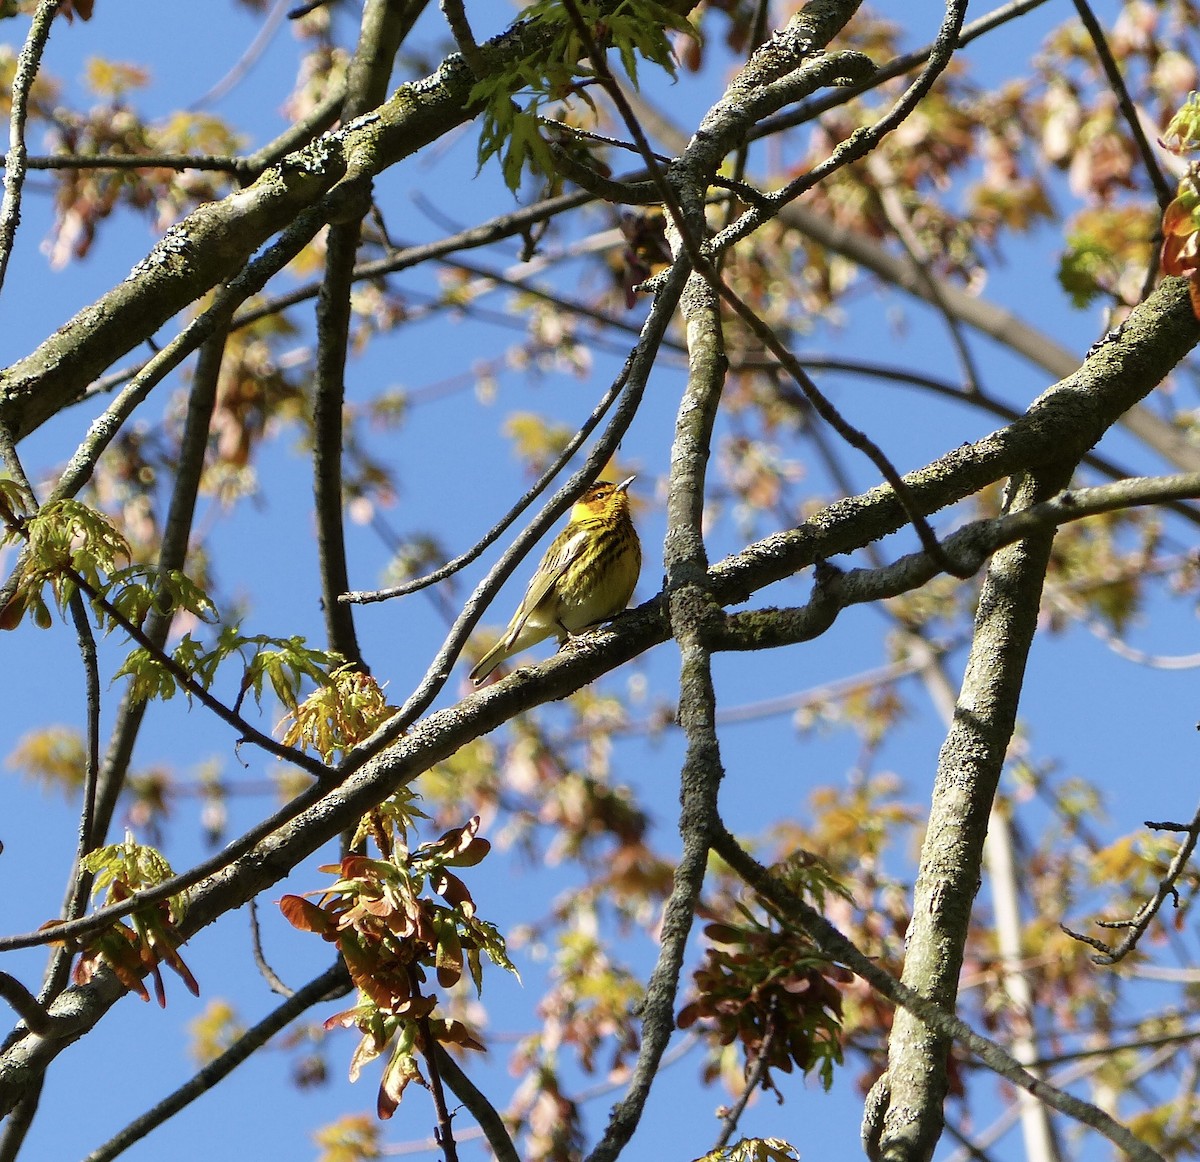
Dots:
(497, 654)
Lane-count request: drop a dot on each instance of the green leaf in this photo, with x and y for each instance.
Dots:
(149, 677)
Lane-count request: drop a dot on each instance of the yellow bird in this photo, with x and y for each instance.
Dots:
(587, 576)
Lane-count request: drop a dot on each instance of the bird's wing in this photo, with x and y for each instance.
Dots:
(553, 566)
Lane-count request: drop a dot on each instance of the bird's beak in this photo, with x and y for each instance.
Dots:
(625, 483)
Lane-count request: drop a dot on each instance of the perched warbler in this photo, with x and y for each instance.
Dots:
(586, 576)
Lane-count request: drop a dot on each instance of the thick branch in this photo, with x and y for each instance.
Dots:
(382, 30)
(904, 1121)
(838, 948)
(690, 609)
(966, 549)
(216, 240)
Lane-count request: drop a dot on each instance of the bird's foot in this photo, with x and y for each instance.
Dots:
(584, 639)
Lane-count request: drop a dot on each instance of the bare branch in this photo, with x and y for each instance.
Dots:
(28, 62)
(248, 59)
(382, 30)
(904, 1114)
(268, 973)
(482, 1110)
(1166, 889)
(691, 610)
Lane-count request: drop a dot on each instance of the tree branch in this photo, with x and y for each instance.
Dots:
(215, 241)
(382, 30)
(903, 1120)
(482, 1110)
(690, 609)
(1138, 924)
(28, 62)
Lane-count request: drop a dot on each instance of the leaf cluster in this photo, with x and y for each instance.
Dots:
(753, 1150)
(1181, 219)
(69, 544)
(121, 870)
(65, 541)
(774, 995)
(559, 69)
(281, 663)
(764, 986)
(389, 933)
(347, 706)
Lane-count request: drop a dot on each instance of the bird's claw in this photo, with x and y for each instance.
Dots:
(585, 639)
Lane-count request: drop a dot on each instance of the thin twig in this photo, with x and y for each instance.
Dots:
(260, 959)
(333, 336)
(246, 61)
(482, 1110)
(445, 1124)
(12, 463)
(180, 162)
(379, 38)
(1162, 187)
(91, 769)
(28, 62)
(1165, 889)
(853, 436)
(967, 1146)
(758, 33)
(495, 230)
(383, 28)
(213, 319)
(898, 219)
(1113, 1048)
(754, 1077)
(189, 684)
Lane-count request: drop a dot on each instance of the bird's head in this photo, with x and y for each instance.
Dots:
(603, 499)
